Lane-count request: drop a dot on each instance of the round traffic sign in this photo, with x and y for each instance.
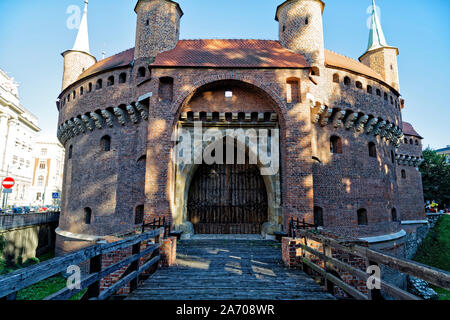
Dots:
(8, 183)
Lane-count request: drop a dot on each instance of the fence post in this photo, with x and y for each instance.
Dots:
(327, 251)
(136, 249)
(95, 266)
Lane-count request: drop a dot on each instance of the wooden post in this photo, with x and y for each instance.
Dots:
(95, 266)
(136, 248)
(327, 251)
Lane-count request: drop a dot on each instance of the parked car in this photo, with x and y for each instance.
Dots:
(18, 210)
(26, 209)
(43, 209)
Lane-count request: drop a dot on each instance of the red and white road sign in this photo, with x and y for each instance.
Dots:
(8, 183)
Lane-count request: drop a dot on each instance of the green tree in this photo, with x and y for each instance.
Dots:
(436, 177)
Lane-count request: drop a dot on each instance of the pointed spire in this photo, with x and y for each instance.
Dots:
(376, 36)
(82, 41)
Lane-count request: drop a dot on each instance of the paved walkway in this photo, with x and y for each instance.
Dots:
(229, 270)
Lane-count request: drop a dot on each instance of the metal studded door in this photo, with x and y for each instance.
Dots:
(227, 199)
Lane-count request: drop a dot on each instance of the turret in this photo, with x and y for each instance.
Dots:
(379, 55)
(301, 28)
(79, 59)
(158, 27)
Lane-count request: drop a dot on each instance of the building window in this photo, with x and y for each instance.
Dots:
(306, 21)
(318, 216)
(403, 174)
(315, 71)
(165, 91)
(90, 87)
(284, 28)
(372, 150)
(38, 196)
(359, 85)
(87, 215)
(362, 217)
(405, 141)
(44, 152)
(139, 214)
(417, 142)
(70, 152)
(122, 78)
(335, 78)
(369, 89)
(394, 214)
(347, 81)
(110, 81)
(335, 144)
(81, 91)
(74, 95)
(141, 72)
(379, 92)
(385, 96)
(40, 180)
(42, 165)
(99, 84)
(105, 143)
(392, 100)
(293, 90)
(410, 141)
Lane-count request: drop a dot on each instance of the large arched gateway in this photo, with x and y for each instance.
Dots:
(230, 196)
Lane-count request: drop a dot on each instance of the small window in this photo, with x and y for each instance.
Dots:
(147, 22)
(306, 21)
(122, 78)
(315, 71)
(293, 90)
(87, 215)
(284, 28)
(405, 141)
(417, 142)
(68, 98)
(394, 215)
(105, 143)
(347, 81)
(165, 91)
(99, 84)
(318, 216)
(74, 94)
(335, 144)
(81, 91)
(372, 150)
(379, 92)
(90, 87)
(362, 217)
(110, 81)
(139, 215)
(44, 152)
(141, 72)
(38, 196)
(42, 165)
(359, 85)
(70, 152)
(40, 181)
(335, 78)
(403, 174)
(410, 141)
(392, 100)
(369, 89)
(385, 96)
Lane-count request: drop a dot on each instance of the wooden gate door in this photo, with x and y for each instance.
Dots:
(227, 199)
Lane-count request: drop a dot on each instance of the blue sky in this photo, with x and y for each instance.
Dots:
(34, 33)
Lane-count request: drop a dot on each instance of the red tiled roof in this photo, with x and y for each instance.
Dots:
(217, 53)
(230, 54)
(121, 59)
(334, 59)
(409, 130)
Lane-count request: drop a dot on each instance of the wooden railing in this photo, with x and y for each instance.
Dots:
(156, 224)
(11, 283)
(329, 267)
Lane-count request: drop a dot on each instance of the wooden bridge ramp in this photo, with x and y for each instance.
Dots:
(229, 270)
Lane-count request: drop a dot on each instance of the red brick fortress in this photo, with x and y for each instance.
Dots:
(346, 160)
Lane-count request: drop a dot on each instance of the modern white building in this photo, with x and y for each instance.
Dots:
(48, 166)
(18, 132)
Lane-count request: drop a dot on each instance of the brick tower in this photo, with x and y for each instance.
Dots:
(379, 56)
(301, 28)
(78, 59)
(158, 27)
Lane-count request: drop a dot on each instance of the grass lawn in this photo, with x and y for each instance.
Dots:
(435, 251)
(41, 289)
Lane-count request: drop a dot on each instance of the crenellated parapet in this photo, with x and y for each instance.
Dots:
(104, 118)
(407, 160)
(348, 119)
